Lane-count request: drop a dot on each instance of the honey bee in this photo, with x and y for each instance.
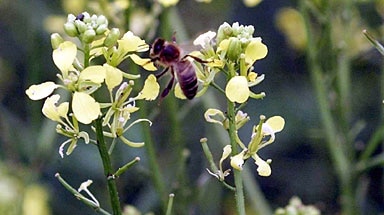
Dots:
(168, 55)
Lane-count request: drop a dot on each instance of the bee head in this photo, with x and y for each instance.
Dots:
(157, 47)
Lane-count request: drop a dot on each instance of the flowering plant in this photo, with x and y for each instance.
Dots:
(81, 79)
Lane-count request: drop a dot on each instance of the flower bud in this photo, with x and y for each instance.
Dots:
(112, 37)
(70, 29)
(56, 40)
(81, 26)
(102, 20)
(101, 29)
(89, 35)
(224, 32)
(234, 49)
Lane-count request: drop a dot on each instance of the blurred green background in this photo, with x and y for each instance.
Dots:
(301, 164)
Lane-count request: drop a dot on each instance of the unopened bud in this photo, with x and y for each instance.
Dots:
(70, 29)
(56, 40)
(101, 29)
(89, 36)
(101, 20)
(81, 26)
(234, 49)
(112, 37)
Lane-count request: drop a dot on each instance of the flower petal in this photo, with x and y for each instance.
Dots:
(226, 152)
(205, 39)
(64, 56)
(95, 74)
(263, 167)
(210, 113)
(255, 50)
(53, 112)
(150, 90)
(276, 123)
(144, 62)
(178, 92)
(131, 143)
(237, 89)
(40, 91)
(131, 43)
(113, 76)
(85, 108)
(237, 161)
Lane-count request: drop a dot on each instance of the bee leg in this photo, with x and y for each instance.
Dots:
(168, 88)
(196, 59)
(162, 73)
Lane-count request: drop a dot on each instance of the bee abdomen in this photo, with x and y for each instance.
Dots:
(187, 79)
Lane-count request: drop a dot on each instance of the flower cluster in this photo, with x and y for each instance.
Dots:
(167, 3)
(262, 135)
(82, 80)
(234, 52)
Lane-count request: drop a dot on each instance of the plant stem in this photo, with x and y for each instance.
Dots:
(156, 176)
(107, 165)
(338, 143)
(239, 195)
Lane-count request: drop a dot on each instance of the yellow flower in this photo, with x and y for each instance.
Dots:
(132, 43)
(251, 3)
(40, 91)
(53, 112)
(85, 108)
(291, 23)
(167, 3)
(237, 89)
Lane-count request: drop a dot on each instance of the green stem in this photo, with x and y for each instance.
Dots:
(336, 140)
(157, 178)
(87, 50)
(107, 165)
(239, 195)
(80, 197)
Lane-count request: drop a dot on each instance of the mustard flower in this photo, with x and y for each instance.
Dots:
(251, 3)
(260, 139)
(168, 3)
(126, 48)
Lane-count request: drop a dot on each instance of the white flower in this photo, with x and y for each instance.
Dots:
(205, 40)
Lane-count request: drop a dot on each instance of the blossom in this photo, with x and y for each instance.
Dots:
(204, 40)
(251, 3)
(168, 3)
